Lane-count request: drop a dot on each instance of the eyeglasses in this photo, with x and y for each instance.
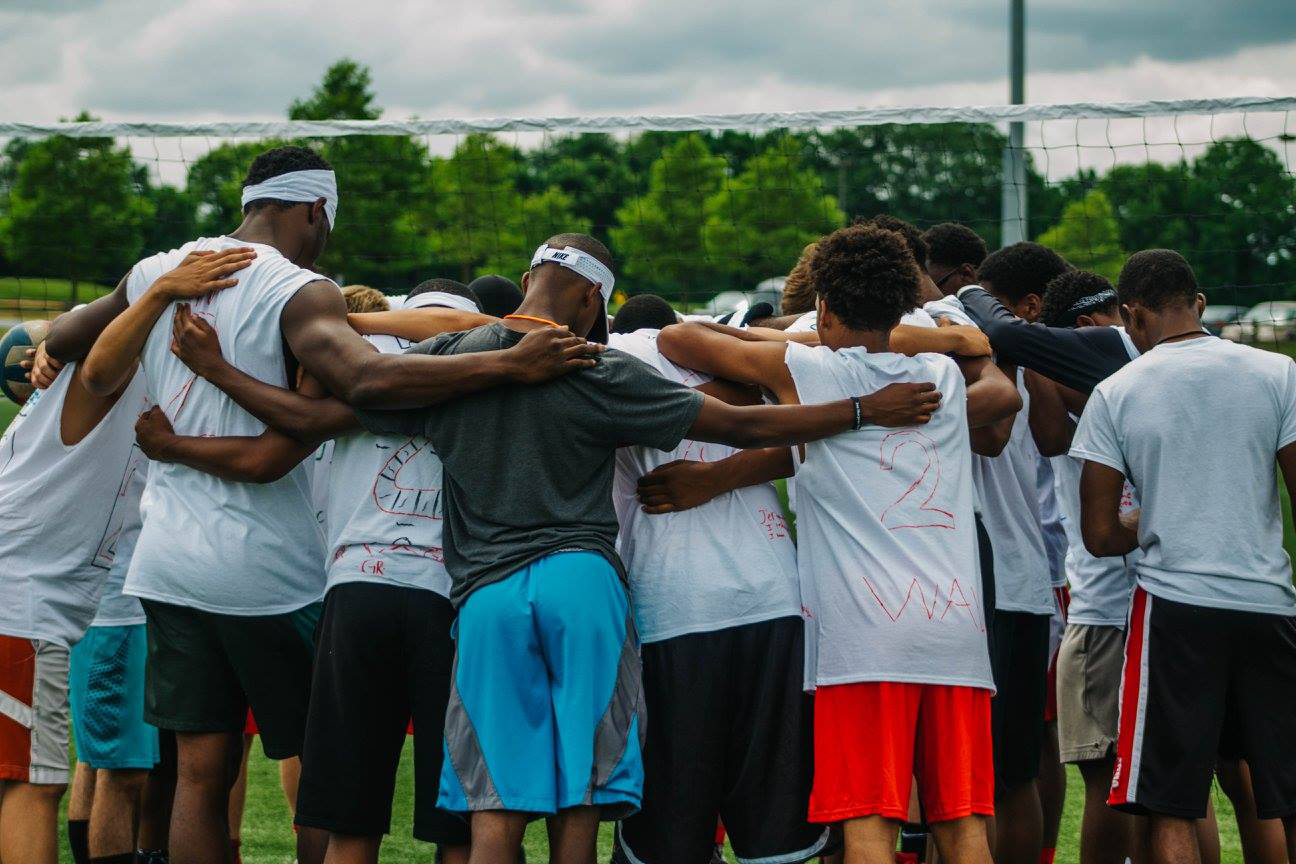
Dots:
(941, 281)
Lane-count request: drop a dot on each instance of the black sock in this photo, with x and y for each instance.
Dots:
(123, 858)
(151, 856)
(79, 840)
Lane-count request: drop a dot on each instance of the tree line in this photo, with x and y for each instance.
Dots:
(686, 214)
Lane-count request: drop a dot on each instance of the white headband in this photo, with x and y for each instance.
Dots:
(439, 298)
(299, 186)
(573, 259)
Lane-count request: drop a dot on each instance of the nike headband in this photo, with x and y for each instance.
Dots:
(580, 262)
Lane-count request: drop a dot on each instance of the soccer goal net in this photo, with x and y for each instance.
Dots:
(706, 210)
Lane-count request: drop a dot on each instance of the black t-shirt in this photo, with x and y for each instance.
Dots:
(529, 468)
(1078, 358)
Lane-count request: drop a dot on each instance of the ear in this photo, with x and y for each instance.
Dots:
(1084, 321)
(594, 294)
(525, 281)
(968, 272)
(1201, 304)
(1127, 315)
(1032, 305)
(317, 212)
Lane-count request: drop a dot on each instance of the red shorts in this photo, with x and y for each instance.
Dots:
(250, 726)
(872, 738)
(1062, 599)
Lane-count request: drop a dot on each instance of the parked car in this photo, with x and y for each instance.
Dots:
(1216, 317)
(1270, 321)
(768, 291)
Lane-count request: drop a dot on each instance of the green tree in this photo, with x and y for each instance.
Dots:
(591, 169)
(1087, 235)
(480, 220)
(926, 173)
(759, 222)
(74, 211)
(659, 235)
(215, 184)
(383, 181)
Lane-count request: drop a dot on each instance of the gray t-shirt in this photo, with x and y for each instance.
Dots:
(529, 468)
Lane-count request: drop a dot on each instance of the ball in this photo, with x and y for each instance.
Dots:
(13, 351)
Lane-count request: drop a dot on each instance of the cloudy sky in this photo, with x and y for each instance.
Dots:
(247, 59)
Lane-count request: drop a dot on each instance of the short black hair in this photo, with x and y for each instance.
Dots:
(1021, 269)
(954, 245)
(866, 276)
(446, 286)
(281, 160)
(1075, 293)
(498, 296)
(643, 311)
(583, 243)
(908, 231)
(1156, 278)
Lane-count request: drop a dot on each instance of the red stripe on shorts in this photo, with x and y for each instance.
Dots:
(1131, 702)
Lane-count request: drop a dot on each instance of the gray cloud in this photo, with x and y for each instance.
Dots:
(250, 58)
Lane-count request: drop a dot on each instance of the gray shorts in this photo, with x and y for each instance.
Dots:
(1088, 691)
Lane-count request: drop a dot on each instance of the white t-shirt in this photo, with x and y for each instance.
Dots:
(1008, 489)
(1100, 587)
(1055, 537)
(115, 608)
(318, 465)
(887, 544)
(810, 321)
(726, 563)
(384, 507)
(1196, 426)
(207, 543)
(63, 511)
(949, 307)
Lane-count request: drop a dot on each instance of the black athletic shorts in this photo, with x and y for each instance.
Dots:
(1019, 657)
(204, 670)
(384, 657)
(1191, 672)
(729, 737)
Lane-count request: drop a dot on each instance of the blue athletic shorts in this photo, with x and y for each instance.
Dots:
(106, 688)
(546, 708)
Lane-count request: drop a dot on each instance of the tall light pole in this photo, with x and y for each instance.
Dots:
(1012, 214)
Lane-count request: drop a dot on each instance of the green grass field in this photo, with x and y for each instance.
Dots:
(268, 838)
(40, 289)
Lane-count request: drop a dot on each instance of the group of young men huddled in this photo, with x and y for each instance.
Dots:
(548, 541)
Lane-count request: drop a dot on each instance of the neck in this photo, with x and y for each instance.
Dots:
(1173, 325)
(538, 304)
(257, 228)
(872, 341)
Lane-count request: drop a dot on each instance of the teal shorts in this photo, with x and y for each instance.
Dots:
(106, 689)
(546, 703)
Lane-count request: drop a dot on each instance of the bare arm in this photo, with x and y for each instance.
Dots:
(991, 395)
(308, 415)
(72, 333)
(1287, 464)
(415, 325)
(315, 325)
(1050, 425)
(747, 359)
(1105, 535)
(684, 484)
(905, 404)
(112, 358)
(264, 458)
(955, 339)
